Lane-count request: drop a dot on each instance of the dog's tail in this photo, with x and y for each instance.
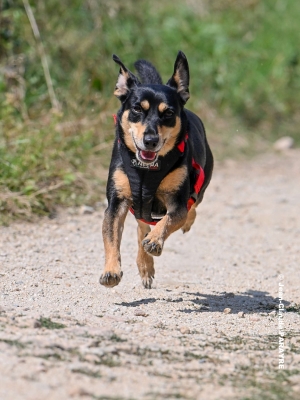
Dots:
(147, 73)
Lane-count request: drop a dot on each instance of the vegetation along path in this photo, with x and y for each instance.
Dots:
(207, 330)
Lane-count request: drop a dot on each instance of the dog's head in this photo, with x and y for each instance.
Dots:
(151, 113)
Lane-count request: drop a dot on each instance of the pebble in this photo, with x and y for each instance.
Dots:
(92, 358)
(272, 313)
(140, 313)
(85, 210)
(284, 143)
(227, 310)
(254, 318)
(37, 324)
(185, 330)
(241, 314)
(78, 392)
(229, 295)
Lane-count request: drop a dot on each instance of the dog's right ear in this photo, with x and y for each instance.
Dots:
(126, 80)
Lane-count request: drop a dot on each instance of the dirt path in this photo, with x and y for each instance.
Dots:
(63, 336)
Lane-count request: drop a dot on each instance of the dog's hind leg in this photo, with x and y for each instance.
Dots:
(190, 219)
(144, 260)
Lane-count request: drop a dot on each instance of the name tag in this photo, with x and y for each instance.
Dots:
(155, 166)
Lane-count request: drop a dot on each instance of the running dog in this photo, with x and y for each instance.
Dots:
(160, 168)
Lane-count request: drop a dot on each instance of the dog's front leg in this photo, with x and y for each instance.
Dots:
(112, 229)
(173, 220)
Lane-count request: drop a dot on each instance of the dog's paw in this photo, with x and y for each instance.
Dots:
(147, 282)
(152, 246)
(186, 228)
(110, 280)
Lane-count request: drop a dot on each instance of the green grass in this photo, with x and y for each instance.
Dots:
(15, 343)
(245, 83)
(86, 371)
(275, 386)
(47, 323)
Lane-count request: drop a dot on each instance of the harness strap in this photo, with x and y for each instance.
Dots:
(197, 185)
(180, 147)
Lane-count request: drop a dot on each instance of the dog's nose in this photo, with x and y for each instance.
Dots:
(151, 140)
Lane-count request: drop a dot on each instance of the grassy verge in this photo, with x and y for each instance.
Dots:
(245, 83)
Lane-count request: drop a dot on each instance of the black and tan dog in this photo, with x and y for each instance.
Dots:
(161, 165)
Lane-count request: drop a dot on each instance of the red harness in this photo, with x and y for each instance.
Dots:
(197, 185)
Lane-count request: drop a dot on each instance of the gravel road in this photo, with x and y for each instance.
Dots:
(207, 330)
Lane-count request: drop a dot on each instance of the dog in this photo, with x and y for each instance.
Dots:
(160, 168)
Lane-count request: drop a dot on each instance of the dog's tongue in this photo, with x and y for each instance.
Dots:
(148, 155)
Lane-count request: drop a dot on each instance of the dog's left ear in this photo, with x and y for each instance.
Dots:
(181, 77)
(126, 80)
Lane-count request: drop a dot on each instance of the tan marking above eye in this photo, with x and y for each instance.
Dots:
(173, 180)
(145, 105)
(162, 107)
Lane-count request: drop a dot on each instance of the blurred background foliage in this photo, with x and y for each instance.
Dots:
(245, 84)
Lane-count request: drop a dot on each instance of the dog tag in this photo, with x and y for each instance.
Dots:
(155, 166)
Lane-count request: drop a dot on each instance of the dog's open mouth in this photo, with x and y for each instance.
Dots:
(147, 155)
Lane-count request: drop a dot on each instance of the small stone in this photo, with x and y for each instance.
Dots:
(85, 210)
(185, 330)
(229, 295)
(92, 358)
(160, 325)
(241, 314)
(78, 392)
(37, 324)
(271, 305)
(272, 313)
(227, 310)
(140, 313)
(284, 143)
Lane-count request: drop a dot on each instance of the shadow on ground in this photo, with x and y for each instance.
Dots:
(247, 302)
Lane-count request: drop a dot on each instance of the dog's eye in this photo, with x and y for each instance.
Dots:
(137, 109)
(168, 113)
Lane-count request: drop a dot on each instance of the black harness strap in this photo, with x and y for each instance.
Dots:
(144, 181)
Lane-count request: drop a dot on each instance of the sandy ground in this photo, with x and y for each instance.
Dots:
(63, 336)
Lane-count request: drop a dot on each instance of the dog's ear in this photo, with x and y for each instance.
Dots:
(126, 80)
(181, 77)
